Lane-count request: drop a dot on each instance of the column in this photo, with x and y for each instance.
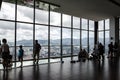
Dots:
(114, 29)
(96, 33)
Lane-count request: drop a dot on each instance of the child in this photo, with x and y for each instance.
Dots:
(20, 55)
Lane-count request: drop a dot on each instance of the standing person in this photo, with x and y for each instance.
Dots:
(37, 48)
(101, 50)
(115, 49)
(5, 53)
(110, 50)
(80, 54)
(20, 55)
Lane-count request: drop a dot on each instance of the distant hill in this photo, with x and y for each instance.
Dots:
(66, 41)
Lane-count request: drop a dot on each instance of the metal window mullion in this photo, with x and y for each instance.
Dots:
(71, 38)
(15, 30)
(80, 33)
(104, 34)
(49, 34)
(61, 51)
(88, 35)
(34, 26)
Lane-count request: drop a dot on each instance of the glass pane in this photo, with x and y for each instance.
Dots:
(107, 24)
(101, 37)
(55, 18)
(76, 22)
(24, 13)
(84, 40)
(101, 25)
(107, 40)
(84, 24)
(41, 12)
(76, 42)
(91, 41)
(41, 34)
(66, 20)
(66, 42)
(91, 25)
(25, 38)
(7, 30)
(54, 43)
(7, 11)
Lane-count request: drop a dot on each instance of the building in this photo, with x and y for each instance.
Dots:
(61, 26)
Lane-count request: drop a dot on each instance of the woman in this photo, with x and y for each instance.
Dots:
(5, 53)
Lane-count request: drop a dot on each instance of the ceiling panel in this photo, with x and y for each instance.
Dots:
(90, 9)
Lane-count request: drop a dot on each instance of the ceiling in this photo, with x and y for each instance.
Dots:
(90, 9)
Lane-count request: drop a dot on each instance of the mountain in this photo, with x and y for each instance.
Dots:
(66, 41)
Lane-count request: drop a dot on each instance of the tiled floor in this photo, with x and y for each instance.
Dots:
(109, 69)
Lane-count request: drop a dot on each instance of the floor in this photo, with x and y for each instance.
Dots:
(108, 69)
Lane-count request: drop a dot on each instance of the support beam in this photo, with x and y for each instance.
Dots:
(96, 33)
(114, 29)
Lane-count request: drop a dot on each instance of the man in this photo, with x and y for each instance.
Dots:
(37, 48)
(101, 50)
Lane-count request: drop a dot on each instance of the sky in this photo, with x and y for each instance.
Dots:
(25, 31)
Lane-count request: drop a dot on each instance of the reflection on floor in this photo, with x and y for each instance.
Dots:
(108, 69)
(30, 63)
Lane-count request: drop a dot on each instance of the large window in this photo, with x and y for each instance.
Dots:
(66, 20)
(55, 42)
(84, 24)
(41, 34)
(76, 42)
(103, 35)
(91, 41)
(41, 12)
(66, 42)
(7, 11)
(55, 18)
(60, 35)
(101, 25)
(91, 35)
(84, 40)
(7, 30)
(24, 13)
(107, 34)
(76, 22)
(25, 38)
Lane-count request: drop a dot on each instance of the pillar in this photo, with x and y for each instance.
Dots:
(114, 29)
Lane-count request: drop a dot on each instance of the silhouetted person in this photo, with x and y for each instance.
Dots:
(20, 55)
(37, 48)
(5, 53)
(101, 50)
(115, 49)
(80, 54)
(110, 49)
(95, 53)
(85, 54)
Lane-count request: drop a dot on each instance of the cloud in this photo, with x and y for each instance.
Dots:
(25, 31)
(24, 13)
(24, 34)
(7, 25)
(7, 11)
(8, 34)
(24, 26)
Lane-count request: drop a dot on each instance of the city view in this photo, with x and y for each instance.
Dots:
(55, 48)
(24, 29)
